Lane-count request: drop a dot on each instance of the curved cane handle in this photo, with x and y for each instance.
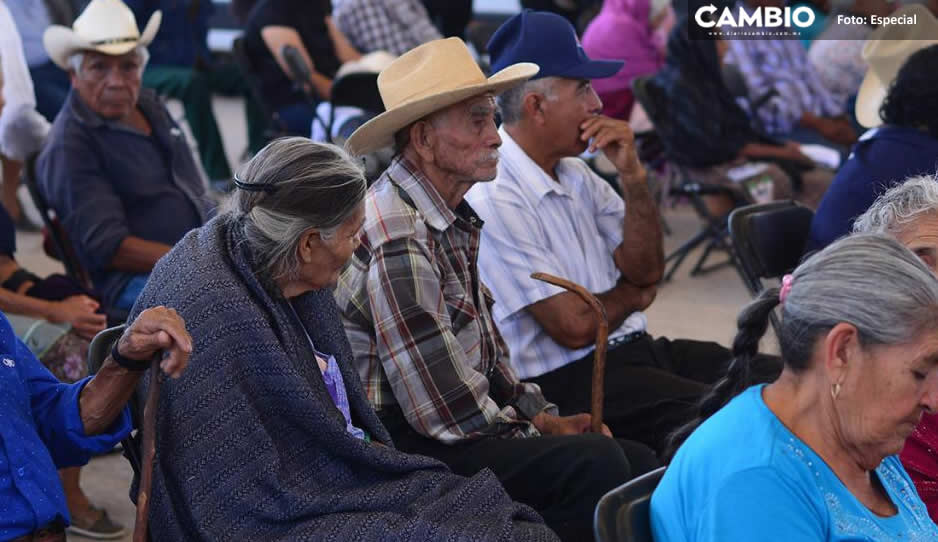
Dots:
(599, 355)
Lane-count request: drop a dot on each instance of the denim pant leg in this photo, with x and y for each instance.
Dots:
(51, 85)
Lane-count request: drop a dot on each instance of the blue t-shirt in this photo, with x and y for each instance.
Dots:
(742, 475)
(881, 159)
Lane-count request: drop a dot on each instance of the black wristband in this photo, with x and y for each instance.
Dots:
(127, 363)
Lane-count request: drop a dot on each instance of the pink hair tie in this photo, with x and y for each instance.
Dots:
(786, 288)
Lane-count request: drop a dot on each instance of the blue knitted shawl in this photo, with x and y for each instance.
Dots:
(250, 445)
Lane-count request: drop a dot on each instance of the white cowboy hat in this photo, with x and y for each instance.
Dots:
(426, 79)
(106, 26)
(886, 50)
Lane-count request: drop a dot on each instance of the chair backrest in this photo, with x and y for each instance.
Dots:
(622, 515)
(243, 60)
(101, 346)
(769, 239)
(358, 90)
(65, 252)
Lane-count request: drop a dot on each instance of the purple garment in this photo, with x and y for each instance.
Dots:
(335, 385)
(622, 31)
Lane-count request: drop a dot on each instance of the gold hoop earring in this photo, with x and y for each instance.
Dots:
(835, 390)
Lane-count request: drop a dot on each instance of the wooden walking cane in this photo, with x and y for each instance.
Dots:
(149, 450)
(599, 355)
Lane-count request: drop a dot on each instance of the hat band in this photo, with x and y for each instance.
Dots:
(114, 41)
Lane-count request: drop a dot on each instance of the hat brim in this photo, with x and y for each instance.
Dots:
(61, 42)
(379, 131)
(594, 69)
(869, 99)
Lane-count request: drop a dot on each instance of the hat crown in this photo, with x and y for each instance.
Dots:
(106, 20)
(427, 70)
(540, 37)
(889, 46)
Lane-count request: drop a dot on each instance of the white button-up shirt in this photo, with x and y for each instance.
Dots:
(533, 223)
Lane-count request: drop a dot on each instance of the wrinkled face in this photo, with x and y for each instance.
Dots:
(885, 391)
(109, 85)
(573, 101)
(921, 237)
(328, 256)
(466, 140)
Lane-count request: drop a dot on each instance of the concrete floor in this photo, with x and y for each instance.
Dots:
(701, 308)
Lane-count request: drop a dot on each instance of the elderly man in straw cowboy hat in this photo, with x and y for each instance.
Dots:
(897, 101)
(419, 319)
(116, 168)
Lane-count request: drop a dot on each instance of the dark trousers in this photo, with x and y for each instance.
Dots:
(51, 85)
(194, 88)
(562, 477)
(450, 16)
(652, 385)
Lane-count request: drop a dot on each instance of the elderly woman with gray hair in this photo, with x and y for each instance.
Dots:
(909, 212)
(270, 436)
(813, 455)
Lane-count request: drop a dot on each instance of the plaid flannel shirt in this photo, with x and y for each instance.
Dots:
(781, 65)
(395, 26)
(419, 319)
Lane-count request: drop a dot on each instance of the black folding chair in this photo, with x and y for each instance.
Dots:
(769, 239)
(622, 515)
(275, 127)
(713, 233)
(62, 247)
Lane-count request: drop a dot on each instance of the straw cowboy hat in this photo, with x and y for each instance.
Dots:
(106, 26)
(886, 50)
(426, 79)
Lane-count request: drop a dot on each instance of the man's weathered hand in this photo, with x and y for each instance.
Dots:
(616, 140)
(565, 425)
(156, 329)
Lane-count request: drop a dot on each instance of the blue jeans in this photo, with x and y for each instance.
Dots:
(51, 84)
(297, 118)
(131, 291)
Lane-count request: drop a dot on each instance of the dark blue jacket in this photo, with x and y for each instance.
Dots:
(183, 34)
(880, 160)
(107, 181)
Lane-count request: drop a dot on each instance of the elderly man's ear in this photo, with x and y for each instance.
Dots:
(423, 139)
(533, 107)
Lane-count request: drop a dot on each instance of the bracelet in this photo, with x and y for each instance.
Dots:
(127, 363)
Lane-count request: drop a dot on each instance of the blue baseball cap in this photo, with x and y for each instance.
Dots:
(550, 41)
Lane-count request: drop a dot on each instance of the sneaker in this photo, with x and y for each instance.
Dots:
(101, 528)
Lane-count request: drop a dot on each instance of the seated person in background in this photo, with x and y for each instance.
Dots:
(814, 455)
(181, 66)
(706, 131)
(419, 318)
(836, 55)
(395, 26)
(56, 320)
(47, 424)
(545, 203)
(22, 128)
(801, 108)
(116, 168)
(636, 32)
(450, 16)
(909, 212)
(308, 26)
(903, 109)
(310, 460)
(32, 18)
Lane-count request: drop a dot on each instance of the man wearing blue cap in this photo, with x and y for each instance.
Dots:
(418, 318)
(548, 212)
